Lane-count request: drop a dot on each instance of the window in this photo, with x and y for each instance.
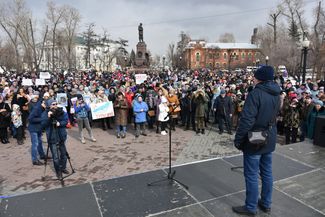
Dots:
(243, 55)
(210, 56)
(197, 57)
(217, 55)
(218, 65)
(225, 56)
(224, 65)
(249, 56)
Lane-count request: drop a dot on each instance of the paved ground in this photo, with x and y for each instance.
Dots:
(107, 158)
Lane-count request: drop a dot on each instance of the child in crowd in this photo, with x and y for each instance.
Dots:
(163, 114)
(16, 118)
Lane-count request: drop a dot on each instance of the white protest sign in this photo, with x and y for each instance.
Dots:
(140, 78)
(27, 82)
(102, 110)
(45, 75)
(62, 99)
(40, 82)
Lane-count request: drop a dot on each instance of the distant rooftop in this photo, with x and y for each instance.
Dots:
(222, 45)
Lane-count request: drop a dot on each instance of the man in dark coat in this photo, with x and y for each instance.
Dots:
(224, 108)
(35, 131)
(54, 120)
(261, 106)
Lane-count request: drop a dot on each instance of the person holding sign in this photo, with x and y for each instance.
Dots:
(140, 109)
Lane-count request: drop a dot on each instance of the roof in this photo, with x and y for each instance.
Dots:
(223, 45)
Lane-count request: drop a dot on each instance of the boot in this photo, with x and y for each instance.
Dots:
(203, 131)
(242, 210)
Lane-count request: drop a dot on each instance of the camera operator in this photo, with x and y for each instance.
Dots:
(54, 120)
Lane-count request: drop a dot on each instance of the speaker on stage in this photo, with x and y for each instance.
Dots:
(319, 134)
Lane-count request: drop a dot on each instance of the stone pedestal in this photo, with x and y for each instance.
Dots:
(141, 56)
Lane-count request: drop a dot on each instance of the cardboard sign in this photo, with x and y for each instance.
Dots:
(40, 82)
(140, 78)
(62, 99)
(27, 82)
(45, 75)
(102, 110)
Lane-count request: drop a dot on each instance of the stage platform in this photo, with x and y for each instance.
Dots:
(299, 191)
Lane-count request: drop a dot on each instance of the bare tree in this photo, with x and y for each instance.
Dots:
(171, 53)
(11, 18)
(71, 19)
(318, 43)
(54, 15)
(274, 18)
(227, 38)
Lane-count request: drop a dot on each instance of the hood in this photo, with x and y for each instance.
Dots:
(270, 87)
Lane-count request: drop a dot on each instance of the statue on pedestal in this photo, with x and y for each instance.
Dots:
(140, 28)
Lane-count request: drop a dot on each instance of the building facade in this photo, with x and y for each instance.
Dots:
(102, 57)
(200, 54)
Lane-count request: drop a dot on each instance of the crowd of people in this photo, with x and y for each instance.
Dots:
(189, 99)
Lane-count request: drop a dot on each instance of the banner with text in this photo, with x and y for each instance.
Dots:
(140, 78)
(45, 75)
(102, 110)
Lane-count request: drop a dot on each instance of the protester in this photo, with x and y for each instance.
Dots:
(163, 117)
(81, 109)
(224, 108)
(317, 111)
(259, 113)
(140, 109)
(16, 118)
(201, 101)
(54, 120)
(5, 114)
(35, 131)
(121, 115)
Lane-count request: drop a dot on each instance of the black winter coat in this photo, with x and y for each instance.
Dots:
(5, 121)
(223, 106)
(259, 109)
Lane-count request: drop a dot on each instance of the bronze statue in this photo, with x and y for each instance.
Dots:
(140, 28)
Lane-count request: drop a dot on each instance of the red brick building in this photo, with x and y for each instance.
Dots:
(200, 54)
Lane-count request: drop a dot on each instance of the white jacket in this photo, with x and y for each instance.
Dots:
(163, 112)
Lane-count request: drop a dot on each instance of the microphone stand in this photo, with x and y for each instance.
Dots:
(171, 174)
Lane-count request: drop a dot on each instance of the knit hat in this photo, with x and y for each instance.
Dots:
(264, 73)
(36, 93)
(318, 102)
(49, 102)
(222, 92)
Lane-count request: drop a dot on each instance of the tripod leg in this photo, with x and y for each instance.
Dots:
(45, 160)
(185, 186)
(68, 156)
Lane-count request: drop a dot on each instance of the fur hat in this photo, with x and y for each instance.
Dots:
(264, 73)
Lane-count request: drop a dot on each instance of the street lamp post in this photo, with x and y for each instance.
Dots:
(305, 46)
(257, 62)
(180, 62)
(164, 58)
(266, 60)
(95, 57)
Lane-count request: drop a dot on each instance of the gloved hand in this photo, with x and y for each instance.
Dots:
(238, 146)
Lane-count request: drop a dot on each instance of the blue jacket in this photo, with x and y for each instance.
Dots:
(35, 118)
(259, 109)
(82, 111)
(140, 116)
(55, 134)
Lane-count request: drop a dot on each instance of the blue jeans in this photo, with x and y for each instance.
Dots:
(118, 129)
(37, 146)
(253, 164)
